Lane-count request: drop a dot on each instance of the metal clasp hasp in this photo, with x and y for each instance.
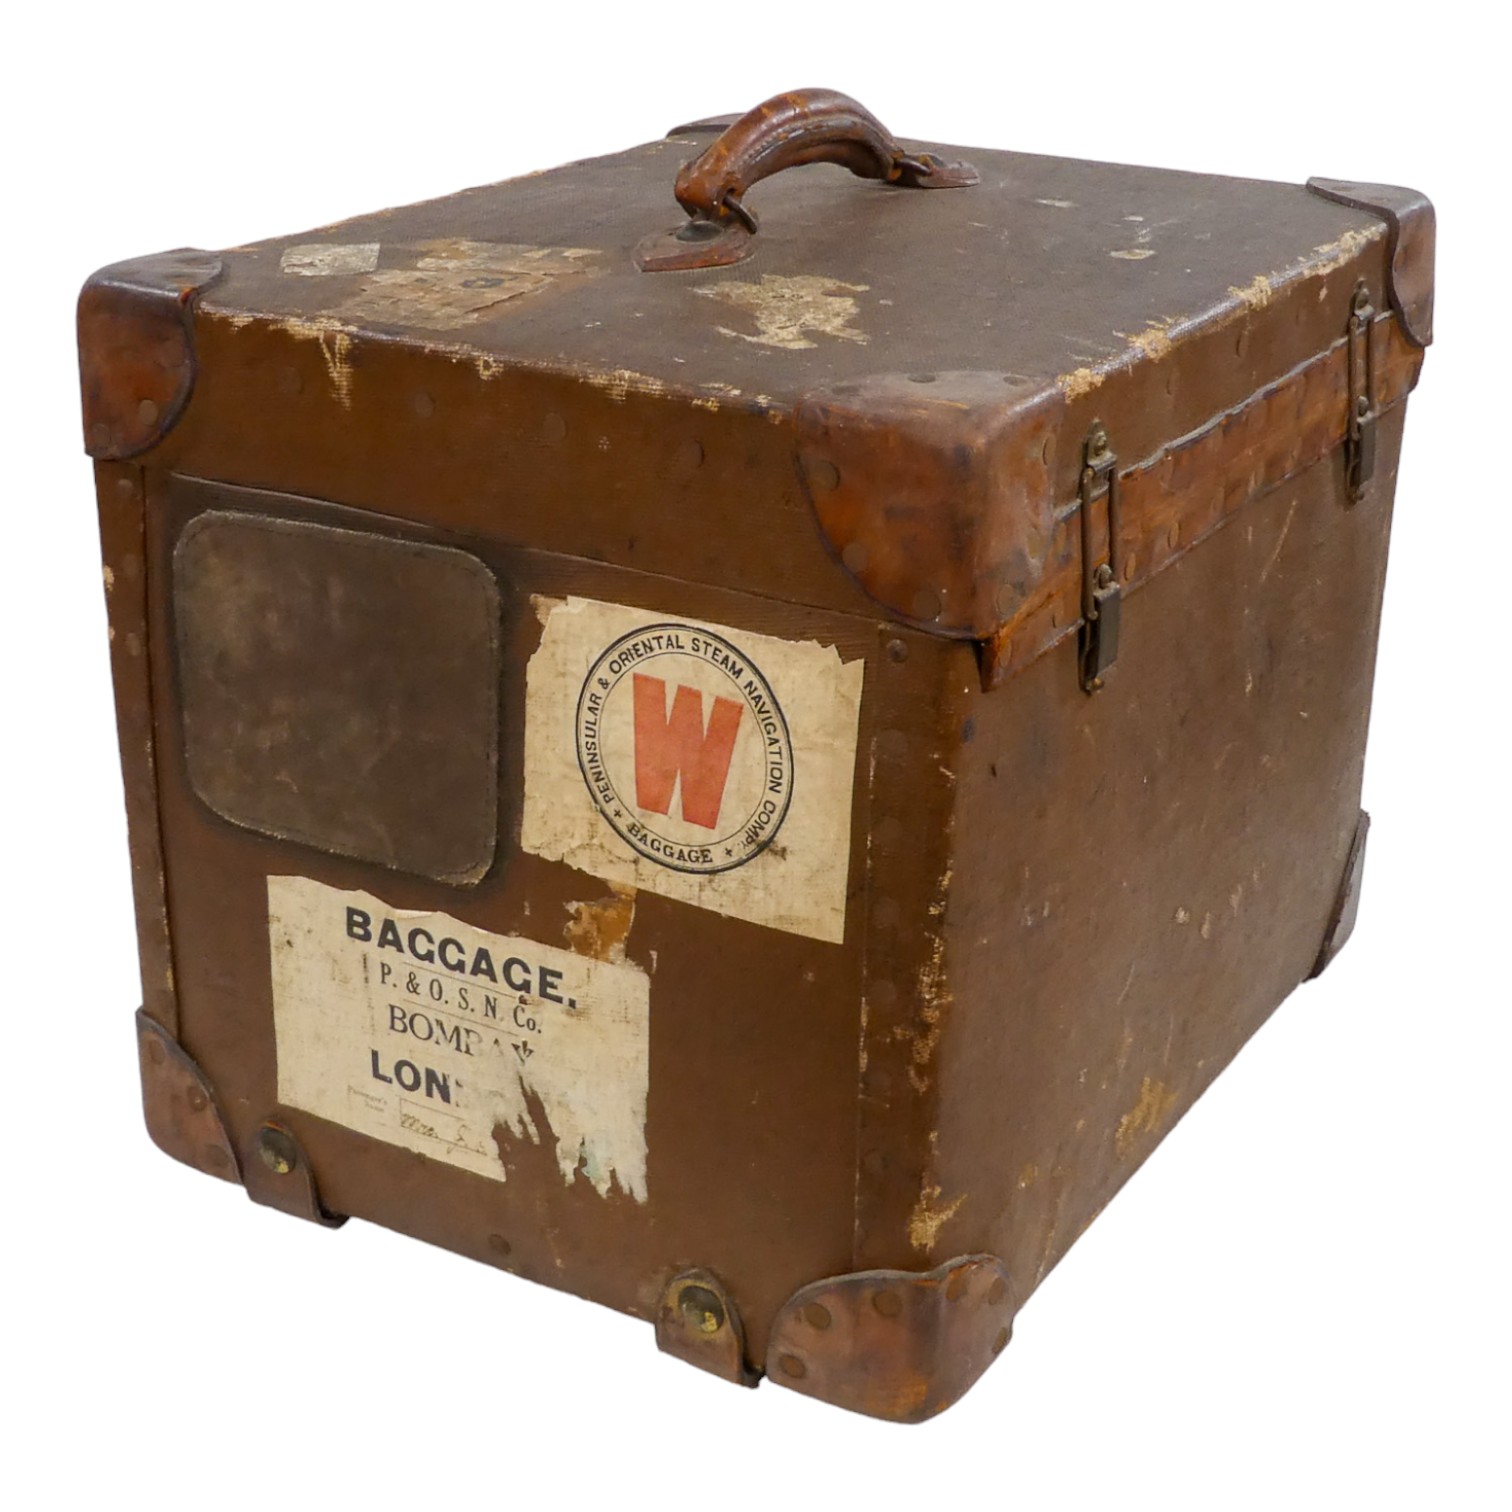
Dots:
(1359, 442)
(1102, 596)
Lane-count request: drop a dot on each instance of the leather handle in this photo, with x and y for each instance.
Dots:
(787, 131)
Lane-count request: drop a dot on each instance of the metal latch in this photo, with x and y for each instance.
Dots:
(1359, 441)
(1102, 596)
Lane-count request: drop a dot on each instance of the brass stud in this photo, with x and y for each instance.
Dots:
(499, 1244)
(424, 405)
(997, 1291)
(155, 1052)
(702, 1311)
(897, 651)
(553, 430)
(817, 1315)
(791, 1365)
(276, 1151)
(855, 556)
(147, 412)
(195, 1097)
(927, 605)
(955, 1288)
(888, 1303)
(824, 476)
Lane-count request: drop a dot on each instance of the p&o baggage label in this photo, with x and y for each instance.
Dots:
(431, 1034)
(705, 763)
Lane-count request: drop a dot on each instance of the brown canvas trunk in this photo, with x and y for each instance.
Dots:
(747, 775)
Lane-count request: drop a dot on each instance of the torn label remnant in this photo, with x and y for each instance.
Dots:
(428, 1033)
(322, 262)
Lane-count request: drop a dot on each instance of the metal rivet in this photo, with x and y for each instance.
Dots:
(955, 1288)
(276, 1151)
(701, 1309)
(195, 1097)
(926, 604)
(855, 556)
(897, 651)
(690, 456)
(126, 487)
(997, 1291)
(289, 381)
(553, 429)
(155, 1052)
(147, 412)
(424, 405)
(499, 1244)
(888, 1303)
(999, 1343)
(100, 436)
(216, 1158)
(817, 1315)
(791, 1365)
(133, 644)
(824, 476)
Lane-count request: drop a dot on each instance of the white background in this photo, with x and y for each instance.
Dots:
(1299, 1303)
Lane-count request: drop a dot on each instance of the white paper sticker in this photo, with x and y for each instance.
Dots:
(430, 1034)
(319, 260)
(705, 763)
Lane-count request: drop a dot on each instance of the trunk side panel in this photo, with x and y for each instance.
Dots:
(1143, 875)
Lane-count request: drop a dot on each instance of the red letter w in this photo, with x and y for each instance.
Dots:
(667, 747)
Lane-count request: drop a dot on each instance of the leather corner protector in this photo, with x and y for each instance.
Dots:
(1410, 222)
(136, 349)
(1346, 908)
(897, 1345)
(179, 1104)
(935, 492)
(699, 1324)
(277, 1174)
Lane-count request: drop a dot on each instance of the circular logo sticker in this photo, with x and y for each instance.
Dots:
(684, 748)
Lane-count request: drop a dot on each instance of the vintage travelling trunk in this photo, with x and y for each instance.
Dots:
(747, 774)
